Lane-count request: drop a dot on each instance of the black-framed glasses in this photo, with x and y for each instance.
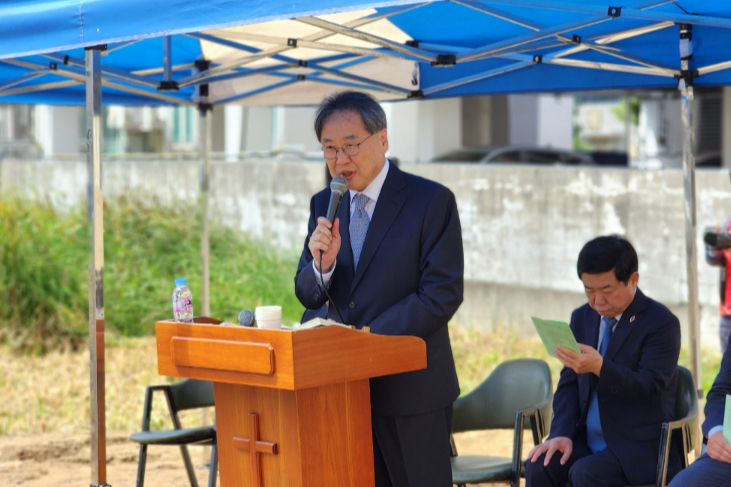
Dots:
(349, 150)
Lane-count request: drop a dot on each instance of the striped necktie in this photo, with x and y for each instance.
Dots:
(359, 226)
(594, 434)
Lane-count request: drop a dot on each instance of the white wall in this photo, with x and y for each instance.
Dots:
(422, 129)
(57, 129)
(522, 226)
(555, 121)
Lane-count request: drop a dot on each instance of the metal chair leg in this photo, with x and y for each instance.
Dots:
(141, 463)
(213, 471)
(188, 466)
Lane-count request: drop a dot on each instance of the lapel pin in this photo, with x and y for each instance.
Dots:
(632, 319)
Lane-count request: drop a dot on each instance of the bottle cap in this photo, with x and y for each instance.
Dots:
(180, 281)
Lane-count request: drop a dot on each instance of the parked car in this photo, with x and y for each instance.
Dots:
(515, 154)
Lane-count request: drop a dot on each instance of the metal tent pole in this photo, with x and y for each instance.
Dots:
(205, 146)
(95, 207)
(691, 262)
(205, 143)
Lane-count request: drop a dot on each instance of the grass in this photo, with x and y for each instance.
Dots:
(44, 257)
(49, 393)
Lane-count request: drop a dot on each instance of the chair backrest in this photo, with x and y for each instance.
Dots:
(513, 385)
(686, 406)
(192, 393)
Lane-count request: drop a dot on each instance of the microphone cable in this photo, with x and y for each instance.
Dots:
(324, 289)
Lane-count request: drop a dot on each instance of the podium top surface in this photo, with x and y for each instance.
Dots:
(282, 359)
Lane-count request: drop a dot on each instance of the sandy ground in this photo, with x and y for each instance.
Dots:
(62, 459)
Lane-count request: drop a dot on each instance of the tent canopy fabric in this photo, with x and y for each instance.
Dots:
(296, 52)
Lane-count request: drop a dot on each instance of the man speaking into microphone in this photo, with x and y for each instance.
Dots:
(392, 260)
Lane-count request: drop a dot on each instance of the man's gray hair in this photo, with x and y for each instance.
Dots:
(370, 111)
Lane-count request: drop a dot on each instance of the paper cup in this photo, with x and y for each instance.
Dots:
(268, 317)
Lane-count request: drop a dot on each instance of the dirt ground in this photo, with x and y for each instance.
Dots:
(62, 459)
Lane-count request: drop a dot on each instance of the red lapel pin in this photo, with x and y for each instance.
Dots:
(632, 319)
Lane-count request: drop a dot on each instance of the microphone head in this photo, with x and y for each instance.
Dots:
(339, 185)
(246, 318)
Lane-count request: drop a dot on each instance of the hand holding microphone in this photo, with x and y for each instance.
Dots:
(326, 237)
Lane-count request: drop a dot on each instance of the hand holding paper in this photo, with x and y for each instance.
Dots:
(555, 334)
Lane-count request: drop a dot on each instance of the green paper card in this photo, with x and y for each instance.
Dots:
(555, 334)
(727, 420)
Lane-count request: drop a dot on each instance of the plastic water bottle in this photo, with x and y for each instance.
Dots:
(182, 302)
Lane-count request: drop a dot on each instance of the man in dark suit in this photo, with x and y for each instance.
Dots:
(712, 469)
(392, 260)
(613, 397)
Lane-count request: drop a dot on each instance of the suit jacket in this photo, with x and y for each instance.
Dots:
(635, 390)
(716, 400)
(409, 281)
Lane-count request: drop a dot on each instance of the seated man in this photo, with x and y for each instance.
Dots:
(612, 398)
(713, 468)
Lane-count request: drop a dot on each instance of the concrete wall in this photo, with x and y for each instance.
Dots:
(522, 226)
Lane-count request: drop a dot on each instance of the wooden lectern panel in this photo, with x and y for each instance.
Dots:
(278, 341)
(335, 432)
(322, 436)
(277, 422)
(292, 407)
(255, 358)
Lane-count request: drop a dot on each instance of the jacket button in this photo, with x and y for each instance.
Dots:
(316, 296)
(351, 305)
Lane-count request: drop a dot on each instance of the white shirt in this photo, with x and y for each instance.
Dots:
(373, 191)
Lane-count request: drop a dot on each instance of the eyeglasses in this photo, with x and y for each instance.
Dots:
(350, 150)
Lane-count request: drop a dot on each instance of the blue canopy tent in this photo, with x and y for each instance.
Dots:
(135, 52)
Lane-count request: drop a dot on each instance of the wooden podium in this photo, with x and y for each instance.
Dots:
(292, 407)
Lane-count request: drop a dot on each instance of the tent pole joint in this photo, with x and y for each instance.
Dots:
(537, 59)
(303, 63)
(291, 42)
(53, 66)
(412, 43)
(686, 56)
(301, 77)
(204, 108)
(576, 39)
(445, 60)
(418, 94)
(202, 64)
(168, 86)
(100, 47)
(614, 12)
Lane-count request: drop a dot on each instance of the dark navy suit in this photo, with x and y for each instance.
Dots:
(707, 472)
(409, 281)
(636, 394)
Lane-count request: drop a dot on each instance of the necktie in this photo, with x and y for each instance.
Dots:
(594, 435)
(359, 226)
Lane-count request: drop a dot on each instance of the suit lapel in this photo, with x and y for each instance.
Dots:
(631, 317)
(387, 209)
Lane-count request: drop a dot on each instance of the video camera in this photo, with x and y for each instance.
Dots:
(717, 240)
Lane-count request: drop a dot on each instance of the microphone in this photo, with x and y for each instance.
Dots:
(338, 187)
(246, 318)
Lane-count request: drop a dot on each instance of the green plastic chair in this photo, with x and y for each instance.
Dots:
(686, 429)
(517, 394)
(186, 394)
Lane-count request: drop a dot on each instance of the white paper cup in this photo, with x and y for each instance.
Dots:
(268, 317)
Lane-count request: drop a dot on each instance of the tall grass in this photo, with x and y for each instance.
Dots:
(44, 257)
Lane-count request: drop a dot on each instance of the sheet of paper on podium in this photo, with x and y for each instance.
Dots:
(554, 334)
(727, 420)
